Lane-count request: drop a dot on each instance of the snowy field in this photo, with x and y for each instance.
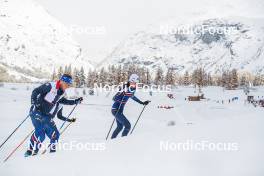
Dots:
(144, 152)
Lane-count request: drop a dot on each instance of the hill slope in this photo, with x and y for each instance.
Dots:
(33, 43)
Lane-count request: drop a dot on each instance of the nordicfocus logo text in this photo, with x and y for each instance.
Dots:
(204, 145)
(139, 86)
(72, 145)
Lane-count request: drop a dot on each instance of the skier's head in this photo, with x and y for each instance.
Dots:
(134, 78)
(65, 81)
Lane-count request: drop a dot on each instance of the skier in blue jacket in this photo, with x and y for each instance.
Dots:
(47, 101)
(120, 100)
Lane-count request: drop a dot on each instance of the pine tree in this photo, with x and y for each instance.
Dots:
(68, 70)
(81, 77)
(89, 79)
(262, 80)
(124, 75)
(60, 72)
(54, 75)
(169, 78)
(77, 81)
(209, 80)
(131, 69)
(143, 75)
(234, 79)
(159, 78)
(217, 80)
(119, 75)
(257, 80)
(198, 77)
(65, 69)
(225, 79)
(102, 76)
(148, 77)
(243, 81)
(186, 81)
(113, 78)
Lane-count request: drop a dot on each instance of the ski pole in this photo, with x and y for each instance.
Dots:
(62, 125)
(13, 132)
(138, 119)
(110, 129)
(68, 116)
(18, 145)
(65, 128)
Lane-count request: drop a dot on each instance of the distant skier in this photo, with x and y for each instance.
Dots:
(120, 100)
(47, 101)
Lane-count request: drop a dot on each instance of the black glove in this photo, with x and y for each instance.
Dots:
(146, 102)
(72, 120)
(78, 100)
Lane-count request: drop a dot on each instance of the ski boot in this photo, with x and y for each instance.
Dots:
(28, 153)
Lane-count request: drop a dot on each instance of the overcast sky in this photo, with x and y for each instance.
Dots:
(123, 17)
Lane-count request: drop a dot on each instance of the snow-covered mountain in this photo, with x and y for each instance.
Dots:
(222, 44)
(33, 43)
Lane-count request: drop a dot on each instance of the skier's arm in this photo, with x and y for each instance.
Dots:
(61, 117)
(67, 102)
(70, 102)
(136, 99)
(41, 90)
(139, 101)
(116, 95)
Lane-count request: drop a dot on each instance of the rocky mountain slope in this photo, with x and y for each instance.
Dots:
(33, 43)
(216, 44)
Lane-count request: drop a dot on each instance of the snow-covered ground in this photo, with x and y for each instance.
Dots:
(144, 153)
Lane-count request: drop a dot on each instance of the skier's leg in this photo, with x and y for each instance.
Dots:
(53, 133)
(122, 119)
(38, 136)
(119, 126)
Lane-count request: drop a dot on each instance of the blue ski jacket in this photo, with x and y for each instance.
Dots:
(47, 98)
(121, 98)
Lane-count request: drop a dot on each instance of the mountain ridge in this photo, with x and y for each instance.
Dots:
(242, 50)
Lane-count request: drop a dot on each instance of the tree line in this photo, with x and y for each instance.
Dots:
(114, 75)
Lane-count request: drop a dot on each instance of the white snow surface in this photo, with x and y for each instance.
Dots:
(140, 153)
